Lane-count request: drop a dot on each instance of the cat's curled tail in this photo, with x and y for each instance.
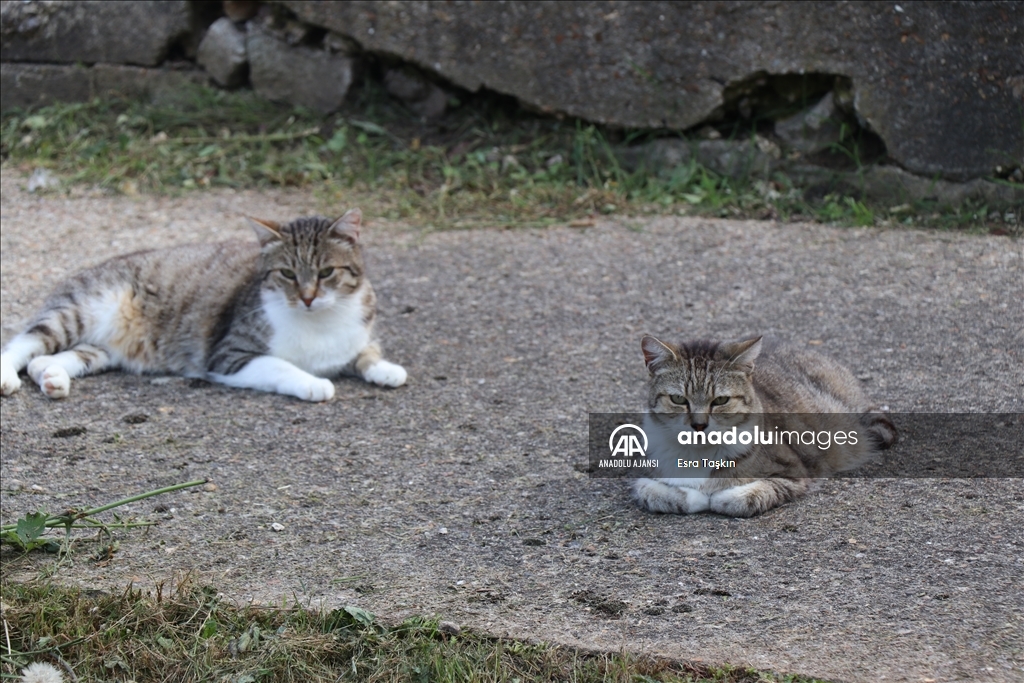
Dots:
(882, 433)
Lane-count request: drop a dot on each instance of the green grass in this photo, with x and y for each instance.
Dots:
(487, 162)
(188, 633)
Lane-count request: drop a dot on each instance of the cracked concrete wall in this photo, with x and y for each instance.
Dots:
(66, 32)
(942, 83)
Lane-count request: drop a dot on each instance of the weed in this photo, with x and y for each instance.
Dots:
(27, 533)
(846, 209)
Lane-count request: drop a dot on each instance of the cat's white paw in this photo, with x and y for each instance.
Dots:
(37, 366)
(9, 380)
(386, 374)
(55, 382)
(316, 390)
(658, 497)
(741, 501)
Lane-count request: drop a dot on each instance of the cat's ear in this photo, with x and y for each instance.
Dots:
(742, 354)
(266, 231)
(347, 227)
(657, 353)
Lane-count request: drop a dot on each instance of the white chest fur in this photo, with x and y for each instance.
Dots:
(665, 447)
(321, 341)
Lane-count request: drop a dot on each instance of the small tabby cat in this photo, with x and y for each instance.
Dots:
(278, 315)
(716, 386)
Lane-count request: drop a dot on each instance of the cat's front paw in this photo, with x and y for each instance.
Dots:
(55, 382)
(658, 497)
(743, 501)
(317, 390)
(9, 380)
(385, 374)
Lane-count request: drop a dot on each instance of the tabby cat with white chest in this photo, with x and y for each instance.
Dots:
(281, 313)
(715, 387)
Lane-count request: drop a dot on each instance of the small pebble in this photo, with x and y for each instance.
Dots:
(449, 627)
(37, 488)
(13, 485)
(277, 527)
(210, 486)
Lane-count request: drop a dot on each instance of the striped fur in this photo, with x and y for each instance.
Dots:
(281, 314)
(749, 380)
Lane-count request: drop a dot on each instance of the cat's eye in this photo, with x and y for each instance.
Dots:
(720, 401)
(678, 400)
(290, 274)
(325, 272)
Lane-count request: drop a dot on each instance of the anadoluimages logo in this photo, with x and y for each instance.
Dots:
(628, 445)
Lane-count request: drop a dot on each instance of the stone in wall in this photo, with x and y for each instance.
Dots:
(222, 53)
(240, 10)
(814, 129)
(67, 32)
(29, 85)
(755, 157)
(420, 94)
(297, 74)
(32, 85)
(932, 79)
(891, 186)
(133, 81)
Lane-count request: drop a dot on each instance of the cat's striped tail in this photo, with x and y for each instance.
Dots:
(882, 433)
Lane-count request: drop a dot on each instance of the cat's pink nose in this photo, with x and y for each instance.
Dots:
(699, 426)
(308, 302)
